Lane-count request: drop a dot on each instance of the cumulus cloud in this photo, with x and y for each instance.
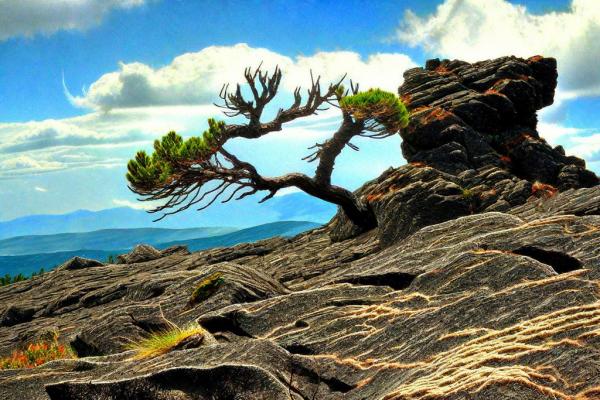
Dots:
(478, 29)
(196, 78)
(576, 141)
(137, 104)
(54, 133)
(30, 17)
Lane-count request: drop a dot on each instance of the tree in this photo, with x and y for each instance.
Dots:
(199, 170)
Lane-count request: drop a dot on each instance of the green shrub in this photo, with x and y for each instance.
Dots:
(467, 194)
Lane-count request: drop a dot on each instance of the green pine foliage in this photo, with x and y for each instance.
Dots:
(171, 154)
(379, 105)
(10, 279)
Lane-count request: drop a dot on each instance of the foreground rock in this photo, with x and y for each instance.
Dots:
(486, 306)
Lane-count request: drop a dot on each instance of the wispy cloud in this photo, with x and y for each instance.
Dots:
(132, 204)
(40, 189)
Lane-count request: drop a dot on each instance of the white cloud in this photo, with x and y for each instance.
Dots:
(30, 17)
(587, 146)
(133, 204)
(286, 191)
(473, 30)
(196, 78)
(26, 164)
(576, 141)
(40, 189)
(554, 132)
(138, 104)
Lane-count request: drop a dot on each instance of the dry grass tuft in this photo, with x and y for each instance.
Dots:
(162, 342)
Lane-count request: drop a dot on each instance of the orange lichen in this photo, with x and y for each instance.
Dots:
(418, 164)
(406, 98)
(442, 69)
(437, 114)
(374, 197)
(36, 354)
(505, 159)
(539, 189)
(535, 58)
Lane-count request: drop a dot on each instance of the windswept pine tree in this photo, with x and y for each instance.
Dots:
(199, 170)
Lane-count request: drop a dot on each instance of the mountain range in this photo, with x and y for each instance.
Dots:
(32, 242)
(243, 214)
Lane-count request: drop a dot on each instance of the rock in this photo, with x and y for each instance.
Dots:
(140, 253)
(112, 332)
(407, 199)
(473, 132)
(14, 314)
(79, 263)
(177, 249)
(485, 112)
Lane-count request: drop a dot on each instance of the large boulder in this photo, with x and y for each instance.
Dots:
(468, 116)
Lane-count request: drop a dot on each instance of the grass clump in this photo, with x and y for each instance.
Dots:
(36, 354)
(162, 342)
(467, 194)
(206, 288)
(379, 105)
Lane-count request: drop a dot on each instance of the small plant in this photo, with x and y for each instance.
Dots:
(164, 341)
(36, 354)
(467, 194)
(110, 259)
(206, 288)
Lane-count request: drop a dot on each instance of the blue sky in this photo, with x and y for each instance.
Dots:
(135, 69)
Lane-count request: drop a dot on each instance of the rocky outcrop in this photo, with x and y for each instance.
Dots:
(479, 283)
(79, 263)
(467, 116)
(472, 146)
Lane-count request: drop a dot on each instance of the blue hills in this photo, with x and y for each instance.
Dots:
(243, 214)
(28, 263)
(32, 242)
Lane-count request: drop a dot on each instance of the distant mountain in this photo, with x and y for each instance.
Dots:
(283, 228)
(242, 214)
(29, 263)
(106, 239)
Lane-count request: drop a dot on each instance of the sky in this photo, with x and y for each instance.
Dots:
(86, 83)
